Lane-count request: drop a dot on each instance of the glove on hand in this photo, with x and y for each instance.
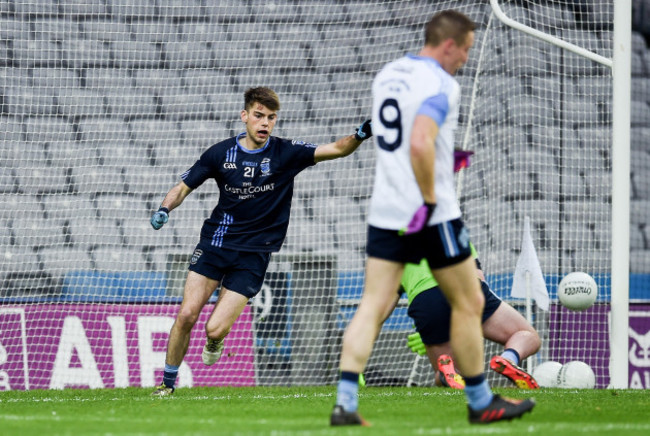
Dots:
(364, 131)
(420, 219)
(461, 159)
(415, 343)
(160, 218)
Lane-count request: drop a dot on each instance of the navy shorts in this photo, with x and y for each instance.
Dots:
(432, 314)
(240, 271)
(441, 245)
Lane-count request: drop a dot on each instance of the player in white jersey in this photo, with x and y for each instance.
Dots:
(414, 215)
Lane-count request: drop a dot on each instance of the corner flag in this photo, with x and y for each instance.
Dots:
(528, 278)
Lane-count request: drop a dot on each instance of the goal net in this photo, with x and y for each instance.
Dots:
(106, 103)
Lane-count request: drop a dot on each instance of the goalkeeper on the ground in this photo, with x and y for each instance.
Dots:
(501, 323)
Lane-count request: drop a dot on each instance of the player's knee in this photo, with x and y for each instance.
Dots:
(217, 330)
(186, 318)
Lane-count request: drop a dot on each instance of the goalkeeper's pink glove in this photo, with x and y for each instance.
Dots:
(419, 220)
(461, 159)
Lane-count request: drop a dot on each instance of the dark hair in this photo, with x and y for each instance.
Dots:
(262, 95)
(448, 24)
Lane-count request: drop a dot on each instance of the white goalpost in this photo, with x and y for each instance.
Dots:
(104, 103)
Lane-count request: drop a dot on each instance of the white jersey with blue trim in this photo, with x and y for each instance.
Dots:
(404, 88)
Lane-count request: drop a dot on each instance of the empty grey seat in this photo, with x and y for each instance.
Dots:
(640, 114)
(56, 78)
(206, 82)
(37, 232)
(200, 134)
(122, 9)
(177, 158)
(48, 129)
(336, 105)
(109, 79)
(59, 260)
(235, 54)
(156, 81)
(641, 185)
(106, 30)
(35, 8)
(309, 236)
(138, 233)
(638, 238)
(123, 154)
(234, 9)
(86, 232)
(188, 54)
(18, 260)
(640, 261)
(351, 234)
(68, 154)
(184, 104)
(577, 236)
(640, 211)
(104, 130)
(147, 180)
(135, 54)
(7, 181)
(12, 28)
(344, 34)
(20, 206)
(283, 54)
(226, 106)
(121, 104)
(205, 31)
(29, 101)
(155, 31)
(338, 209)
(98, 180)
(179, 10)
(33, 53)
(43, 179)
(123, 208)
(587, 211)
(328, 57)
(304, 33)
(80, 103)
(63, 208)
(85, 53)
(313, 182)
(154, 132)
(118, 259)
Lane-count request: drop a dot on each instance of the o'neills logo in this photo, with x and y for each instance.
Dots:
(195, 256)
(247, 190)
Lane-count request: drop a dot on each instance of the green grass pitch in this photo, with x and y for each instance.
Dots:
(305, 411)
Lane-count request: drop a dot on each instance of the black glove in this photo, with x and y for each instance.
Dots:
(364, 131)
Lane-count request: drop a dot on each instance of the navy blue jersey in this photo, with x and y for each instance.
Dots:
(255, 191)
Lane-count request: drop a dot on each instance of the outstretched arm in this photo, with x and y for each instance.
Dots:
(172, 200)
(344, 146)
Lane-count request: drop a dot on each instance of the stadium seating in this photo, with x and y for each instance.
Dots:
(91, 88)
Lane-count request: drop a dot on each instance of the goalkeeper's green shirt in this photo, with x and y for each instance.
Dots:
(417, 278)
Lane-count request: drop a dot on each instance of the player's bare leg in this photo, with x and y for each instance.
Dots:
(464, 295)
(196, 294)
(458, 283)
(229, 306)
(377, 303)
(507, 326)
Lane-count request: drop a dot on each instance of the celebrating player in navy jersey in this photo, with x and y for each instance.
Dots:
(414, 215)
(254, 172)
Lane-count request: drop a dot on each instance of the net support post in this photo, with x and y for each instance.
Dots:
(620, 275)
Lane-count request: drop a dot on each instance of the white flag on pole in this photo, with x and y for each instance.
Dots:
(528, 273)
